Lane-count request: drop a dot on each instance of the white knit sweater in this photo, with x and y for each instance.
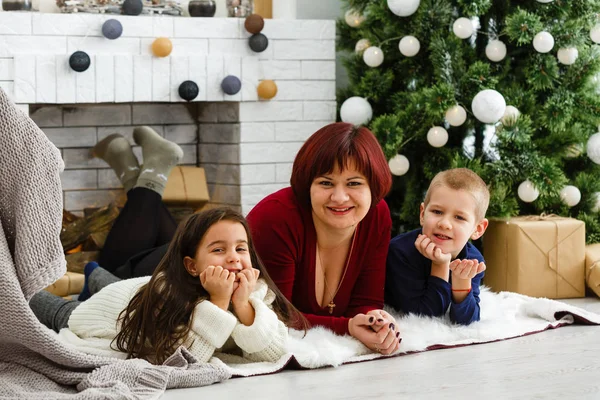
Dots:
(93, 325)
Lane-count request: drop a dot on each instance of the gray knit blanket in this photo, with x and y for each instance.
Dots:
(34, 364)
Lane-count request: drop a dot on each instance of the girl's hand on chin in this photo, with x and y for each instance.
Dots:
(218, 282)
(247, 283)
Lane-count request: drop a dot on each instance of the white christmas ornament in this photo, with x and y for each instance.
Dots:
(527, 191)
(399, 165)
(495, 50)
(456, 115)
(570, 195)
(409, 46)
(354, 18)
(362, 45)
(511, 114)
(403, 8)
(545, 1)
(437, 136)
(543, 42)
(356, 110)
(595, 34)
(488, 106)
(596, 207)
(568, 55)
(373, 56)
(593, 148)
(463, 28)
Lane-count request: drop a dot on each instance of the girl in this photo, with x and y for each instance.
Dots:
(205, 294)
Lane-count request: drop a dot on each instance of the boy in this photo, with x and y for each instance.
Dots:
(433, 268)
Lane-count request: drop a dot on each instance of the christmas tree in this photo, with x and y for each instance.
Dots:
(506, 88)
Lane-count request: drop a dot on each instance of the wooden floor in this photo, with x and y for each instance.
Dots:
(561, 363)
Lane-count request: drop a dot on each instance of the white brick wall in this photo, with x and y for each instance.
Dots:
(246, 145)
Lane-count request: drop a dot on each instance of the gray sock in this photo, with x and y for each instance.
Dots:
(100, 278)
(51, 310)
(160, 156)
(117, 152)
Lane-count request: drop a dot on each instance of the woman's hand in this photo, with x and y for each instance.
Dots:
(382, 318)
(218, 282)
(246, 285)
(384, 341)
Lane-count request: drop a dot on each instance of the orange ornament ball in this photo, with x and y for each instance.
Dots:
(162, 47)
(267, 89)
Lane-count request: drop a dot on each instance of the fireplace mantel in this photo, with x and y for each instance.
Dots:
(300, 58)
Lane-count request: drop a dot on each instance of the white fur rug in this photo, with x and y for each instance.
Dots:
(503, 316)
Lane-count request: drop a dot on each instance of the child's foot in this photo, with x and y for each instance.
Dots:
(87, 271)
(117, 153)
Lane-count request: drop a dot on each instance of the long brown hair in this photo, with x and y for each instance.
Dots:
(157, 319)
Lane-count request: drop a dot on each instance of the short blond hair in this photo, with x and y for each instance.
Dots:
(463, 179)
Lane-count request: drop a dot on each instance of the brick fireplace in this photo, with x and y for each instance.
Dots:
(245, 145)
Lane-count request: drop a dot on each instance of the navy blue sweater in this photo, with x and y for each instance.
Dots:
(409, 286)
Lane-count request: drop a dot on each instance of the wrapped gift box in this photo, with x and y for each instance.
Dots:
(592, 267)
(187, 187)
(540, 256)
(69, 283)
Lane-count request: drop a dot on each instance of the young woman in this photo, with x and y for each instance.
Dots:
(209, 293)
(325, 239)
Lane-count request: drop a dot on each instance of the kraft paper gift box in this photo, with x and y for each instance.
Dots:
(539, 256)
(69, 283)
(592, 267)
(186, 186)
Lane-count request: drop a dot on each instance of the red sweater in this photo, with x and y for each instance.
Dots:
(285, 238)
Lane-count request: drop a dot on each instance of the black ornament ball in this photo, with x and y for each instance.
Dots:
(132, 7)
(79, 61)
(188, 90)
(258, 42)
(231, 84)
(112, 29)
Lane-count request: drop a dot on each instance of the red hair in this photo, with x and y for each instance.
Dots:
(336, 145)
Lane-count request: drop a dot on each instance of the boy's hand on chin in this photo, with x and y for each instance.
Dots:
(429, 250)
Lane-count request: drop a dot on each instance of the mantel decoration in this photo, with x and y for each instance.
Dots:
(162, 47)
(202, 8)
(79, 61)
(112, 29)
(231, 85)
(239, 8)
(254, 24)
(266, 89)
(258, 42)
(188, 90)
(127, 7)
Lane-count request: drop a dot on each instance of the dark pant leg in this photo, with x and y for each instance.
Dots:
(142, 264)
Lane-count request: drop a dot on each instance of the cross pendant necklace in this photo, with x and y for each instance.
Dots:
(331, 306)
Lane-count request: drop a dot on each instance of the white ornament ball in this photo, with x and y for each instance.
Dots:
(595, 34)
(593, 148)
(527, 191)
(362, 45)
(488, 106)
(356, 110)
(456, 115)
(543, 42)
(409, 46)
(373, 56)
(403, 8)
(437, 136)
(399, 165)
(463, 28)
(511, 114)
(568, 55)
(570, 195)
(545, 1)
(596, 207)
(495, 50)
(354, 18)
